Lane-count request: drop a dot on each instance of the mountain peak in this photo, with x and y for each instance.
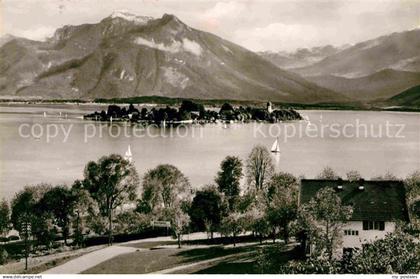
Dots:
(123, 14)
(171, 18)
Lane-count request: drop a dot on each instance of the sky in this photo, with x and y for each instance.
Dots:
(282, 25)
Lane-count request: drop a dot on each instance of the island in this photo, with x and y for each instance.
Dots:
(192, 112)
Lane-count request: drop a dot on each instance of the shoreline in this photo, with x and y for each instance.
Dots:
(210, 104)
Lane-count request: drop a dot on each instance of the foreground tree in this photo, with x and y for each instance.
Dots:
(228, 179)
(111, 181)
(163, 187)
(259, 167)
(412, 188)
(396, 253)
(130, 222)
(353, 175)
(4, 217)
(60, 202)
(207, 209)
(232, 225)
(282, 203)
(179, 222)
(323, 218)
(255, 220)
(167, 196)
(83, 206)
(387, 176)
(328, 173)
(26, 212)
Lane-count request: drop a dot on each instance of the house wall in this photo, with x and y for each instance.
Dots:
(356, 241)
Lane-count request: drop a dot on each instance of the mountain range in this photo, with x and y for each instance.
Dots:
(375, 69)
(125, 55)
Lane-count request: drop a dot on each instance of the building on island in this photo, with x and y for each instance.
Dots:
(269, 107)
(377, 207)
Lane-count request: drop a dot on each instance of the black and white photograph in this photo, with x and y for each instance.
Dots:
(216, 137)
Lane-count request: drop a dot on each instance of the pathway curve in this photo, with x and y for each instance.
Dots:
(89, 260)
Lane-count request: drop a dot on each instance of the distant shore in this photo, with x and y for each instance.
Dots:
(154, 101)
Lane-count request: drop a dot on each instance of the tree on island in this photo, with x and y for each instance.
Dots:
(259, 167)
(228, 179)
(111, 181)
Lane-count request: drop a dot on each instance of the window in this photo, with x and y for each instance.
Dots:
(373, 225)
(351, 232)
(381, 226)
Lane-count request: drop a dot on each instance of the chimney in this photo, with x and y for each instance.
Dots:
(361, 184)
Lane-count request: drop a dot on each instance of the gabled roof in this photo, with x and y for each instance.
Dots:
(378, 201)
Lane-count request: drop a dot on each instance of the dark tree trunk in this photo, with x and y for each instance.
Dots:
(110, 228)
(274, 235)
(179, 240)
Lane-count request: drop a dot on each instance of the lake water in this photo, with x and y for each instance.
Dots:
(32, 158)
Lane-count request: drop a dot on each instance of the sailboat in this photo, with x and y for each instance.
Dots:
(276, 146)
(128, 155)
(45, 114)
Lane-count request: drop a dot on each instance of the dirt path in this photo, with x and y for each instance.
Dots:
(89, 260)
(36, 263)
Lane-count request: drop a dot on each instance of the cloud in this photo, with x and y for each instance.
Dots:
(37, 33)
(225, 10)
(222, 14)
(192, 47)
(174, 47)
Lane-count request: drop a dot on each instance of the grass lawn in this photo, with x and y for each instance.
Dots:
(146, 261)
(245, 264)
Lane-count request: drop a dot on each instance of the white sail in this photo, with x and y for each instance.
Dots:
(275, 147)
(128, 155)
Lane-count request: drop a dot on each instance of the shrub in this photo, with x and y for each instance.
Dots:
(4, 239)
(3, 256)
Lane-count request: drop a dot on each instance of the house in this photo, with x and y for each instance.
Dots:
(377, 207)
